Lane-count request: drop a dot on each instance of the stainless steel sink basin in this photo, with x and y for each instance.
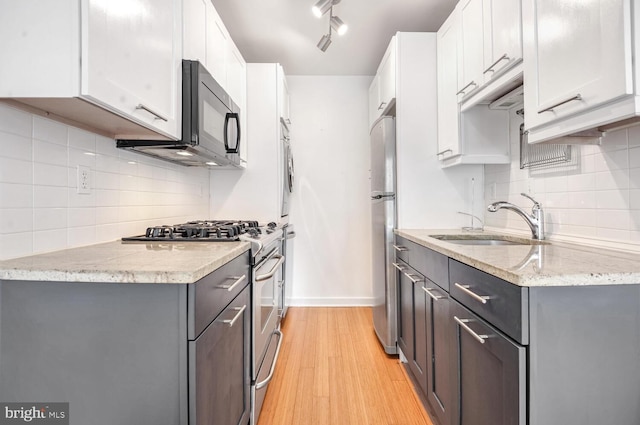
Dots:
(476, 239)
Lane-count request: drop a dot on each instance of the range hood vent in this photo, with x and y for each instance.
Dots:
(513, 99)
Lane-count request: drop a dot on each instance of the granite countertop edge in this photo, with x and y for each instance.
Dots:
(575, 257)
(116, 262)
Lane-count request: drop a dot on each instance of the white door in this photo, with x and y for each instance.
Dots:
(502, 36)
(471, 47)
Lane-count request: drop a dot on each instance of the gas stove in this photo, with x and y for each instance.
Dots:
(213, 231)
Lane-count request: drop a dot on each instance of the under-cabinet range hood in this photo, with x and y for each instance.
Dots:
(210, 125)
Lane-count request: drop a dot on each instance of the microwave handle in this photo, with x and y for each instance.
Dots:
(230, 116)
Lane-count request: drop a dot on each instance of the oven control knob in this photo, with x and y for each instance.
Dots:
(272, 225)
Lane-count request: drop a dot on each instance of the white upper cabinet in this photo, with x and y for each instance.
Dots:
(578, 55)
(283, 97)
(502, 22)
(218, 42)
(387, 75)
(129, 60)
(477, 136)
(111, 66)
(448, 109)
(194, 30)
(471, 56)
(382, 92)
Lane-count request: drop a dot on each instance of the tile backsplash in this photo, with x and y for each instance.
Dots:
(40, 209)
(594, 197)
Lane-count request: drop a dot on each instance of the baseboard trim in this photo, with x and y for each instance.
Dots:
(331, 302)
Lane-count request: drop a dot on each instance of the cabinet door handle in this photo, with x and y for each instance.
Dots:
(552, 107)
(239, 310)
(238, 281)
(398, 266)
(431, 294)
(473, 83)
(503, 57)
(443, 152)
(400, 248)
(381, 106)
(465, 288)
(463, 324)
(273, 364)
(414, 277)
(151, 111)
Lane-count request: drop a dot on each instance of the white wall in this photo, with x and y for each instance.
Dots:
(330, 206)
(595, 198)
(40, 210)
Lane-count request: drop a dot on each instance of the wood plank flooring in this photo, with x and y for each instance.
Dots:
(333, 371)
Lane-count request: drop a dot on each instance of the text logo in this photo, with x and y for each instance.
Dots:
(34, 413)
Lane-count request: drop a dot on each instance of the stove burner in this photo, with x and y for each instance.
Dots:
(201, 230)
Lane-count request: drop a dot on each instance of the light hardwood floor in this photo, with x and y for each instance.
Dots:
(332, 370)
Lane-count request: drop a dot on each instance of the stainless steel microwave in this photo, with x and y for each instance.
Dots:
(210, 125)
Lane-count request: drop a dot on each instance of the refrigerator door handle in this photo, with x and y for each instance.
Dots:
(383, 195)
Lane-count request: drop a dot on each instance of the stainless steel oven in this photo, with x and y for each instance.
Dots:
(267, 337)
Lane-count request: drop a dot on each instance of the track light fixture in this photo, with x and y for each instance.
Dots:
(336, 24)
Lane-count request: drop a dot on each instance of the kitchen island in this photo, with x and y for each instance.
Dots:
(503, 330)
(120, 331)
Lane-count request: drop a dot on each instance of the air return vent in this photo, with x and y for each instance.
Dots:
(510, 100)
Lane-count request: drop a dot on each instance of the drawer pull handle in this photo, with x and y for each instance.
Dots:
(412, 277)
(400, 248)
(239, 310)
(238, 281)
(490, 69)
(465, 288)
(463, 324)
(151, 111)
(432, 295)
(381, 105)
(473, 83)
(399, 266)
(552, 107)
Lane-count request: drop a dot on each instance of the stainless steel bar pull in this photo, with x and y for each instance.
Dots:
(552, 107)
(381, 105)
(240, 310)
(151, 111)
(274, 269)
(463, 324)
(414, 277)
(400, 248)
(439, 154)
(465, 288)
(473, 83)
(238, 281)
(431, 294)
(503, 57)
(273, 364)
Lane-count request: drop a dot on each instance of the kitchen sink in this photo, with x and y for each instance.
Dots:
(491, 240)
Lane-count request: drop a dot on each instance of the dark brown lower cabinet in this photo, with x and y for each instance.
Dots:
(489, 373)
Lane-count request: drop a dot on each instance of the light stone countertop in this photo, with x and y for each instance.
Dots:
(125, 262)
(550, 264)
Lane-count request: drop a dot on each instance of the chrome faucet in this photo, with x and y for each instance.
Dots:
(535, 220)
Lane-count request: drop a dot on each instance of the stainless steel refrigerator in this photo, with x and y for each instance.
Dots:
(383, 215)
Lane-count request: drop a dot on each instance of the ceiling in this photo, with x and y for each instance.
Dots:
(286, 31)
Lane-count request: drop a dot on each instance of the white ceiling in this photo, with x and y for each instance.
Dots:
(286, 31)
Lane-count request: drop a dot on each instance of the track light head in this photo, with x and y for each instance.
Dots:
(321, 7)
(338, 26)
(324, 42)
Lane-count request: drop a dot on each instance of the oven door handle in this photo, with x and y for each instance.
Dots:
(274, 269)
(262, 384)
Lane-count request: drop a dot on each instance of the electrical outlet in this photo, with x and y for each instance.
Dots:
(83, 179)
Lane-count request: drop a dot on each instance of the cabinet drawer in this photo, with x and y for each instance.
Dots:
(431, 264)
(211, 294)
(504, 305)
